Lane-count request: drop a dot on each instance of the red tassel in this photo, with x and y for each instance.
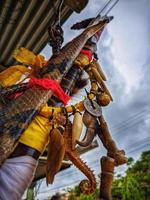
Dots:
(53, 85)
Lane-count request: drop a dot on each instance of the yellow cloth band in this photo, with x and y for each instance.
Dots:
(36, 135)
(13, 74)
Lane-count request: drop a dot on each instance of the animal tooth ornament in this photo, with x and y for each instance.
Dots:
(99, 69)
(76, 128)
(100, 81)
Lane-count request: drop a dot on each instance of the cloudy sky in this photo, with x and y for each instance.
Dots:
(124, 56)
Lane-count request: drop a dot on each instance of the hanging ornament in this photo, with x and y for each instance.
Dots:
(92, 107)
(103, 99)
(76, 128)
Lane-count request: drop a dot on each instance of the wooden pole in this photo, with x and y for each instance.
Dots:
(107, 172)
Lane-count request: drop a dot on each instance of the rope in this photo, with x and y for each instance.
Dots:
(55, 30)
(57, 13)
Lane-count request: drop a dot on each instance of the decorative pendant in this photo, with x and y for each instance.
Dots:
(92, 107)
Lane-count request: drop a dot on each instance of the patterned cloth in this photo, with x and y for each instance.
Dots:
(16, 175)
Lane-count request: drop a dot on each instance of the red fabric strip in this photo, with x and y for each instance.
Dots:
(52, 85)
(87, 53)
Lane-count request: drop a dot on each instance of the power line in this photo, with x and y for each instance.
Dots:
(144, 140)
(131, 123)
(133, 117)
(126, 128)
(132, 120)
(139, 148)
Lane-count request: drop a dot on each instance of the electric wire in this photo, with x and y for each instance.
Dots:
(108, 2)
(123, 129)
(112, 7)
(132, 122)
(133, 117)
(99, 13)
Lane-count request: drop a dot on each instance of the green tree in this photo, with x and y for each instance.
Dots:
(117, 188)
(136, 183)
(141, 172)
(131, 189)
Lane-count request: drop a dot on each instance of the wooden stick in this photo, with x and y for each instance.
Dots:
(107, 171)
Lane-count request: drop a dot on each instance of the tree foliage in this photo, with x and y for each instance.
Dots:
(136, 184)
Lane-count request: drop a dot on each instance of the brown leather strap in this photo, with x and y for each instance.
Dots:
(23, 150)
